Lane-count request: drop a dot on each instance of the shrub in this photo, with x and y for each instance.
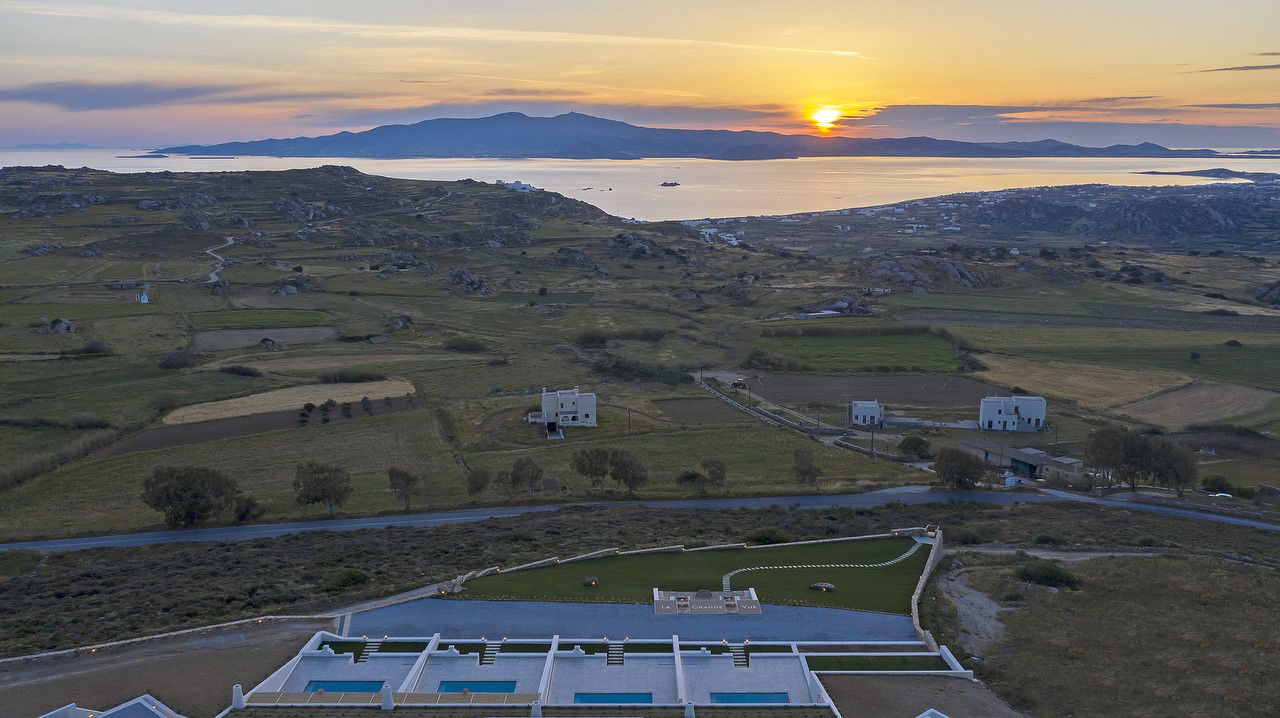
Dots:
(188, 495)
(465, 344)
(85, 420)
(1048, 539)
(349, 376)
(965, 537)
(340, 578)
(767, 535)
(96, 346)
(1233, 343)
(1047, 573)
(625, 368)
(246, 508)
(164, 401)
(179, 359)
(592, 339)
(240, 370)
(1217, 485)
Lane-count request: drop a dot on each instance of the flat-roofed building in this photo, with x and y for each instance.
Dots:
(865, 413)
(1012, 413)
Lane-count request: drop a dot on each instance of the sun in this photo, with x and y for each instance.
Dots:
(824, 117)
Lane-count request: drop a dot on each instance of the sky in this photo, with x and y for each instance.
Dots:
(138, 73)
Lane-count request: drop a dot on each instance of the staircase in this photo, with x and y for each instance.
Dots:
(739, 653)
(369, 647)
(615, 655)
(490, 652)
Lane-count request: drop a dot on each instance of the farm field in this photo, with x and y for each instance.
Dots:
(909, 352)
(291, 398)
(222, 339)
(1093, 386)
(258, 318)
(631, 579)
(932, 390)
(1199, 403)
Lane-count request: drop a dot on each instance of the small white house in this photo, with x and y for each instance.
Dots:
(866, 413)
(564, 407)
(1012, 413)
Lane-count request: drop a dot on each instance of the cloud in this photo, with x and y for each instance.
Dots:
(283, 23)
(533, 92)
(81, 96)
(1117, 99)
(1241, 105)
(993, 123)
(1242, 68)
(1267, 54)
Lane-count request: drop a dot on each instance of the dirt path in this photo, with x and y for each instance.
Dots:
(976, 613)
(222, 262)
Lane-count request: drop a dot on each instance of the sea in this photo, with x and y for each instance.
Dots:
(705, 188)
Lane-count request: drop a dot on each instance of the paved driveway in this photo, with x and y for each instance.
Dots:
(535, 619)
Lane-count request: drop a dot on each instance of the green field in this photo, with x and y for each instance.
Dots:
(631, 579)
(259, 319)
(907, 352)
(1253, 363)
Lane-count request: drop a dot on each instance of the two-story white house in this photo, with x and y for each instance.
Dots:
(1012, 413)
(865, 413)
(564, 407)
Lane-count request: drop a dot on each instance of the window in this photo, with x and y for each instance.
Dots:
(586, 416)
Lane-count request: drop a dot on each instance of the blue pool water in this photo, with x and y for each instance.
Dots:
(612, 697)
(343, 687)
(476, 687)
(750, 698)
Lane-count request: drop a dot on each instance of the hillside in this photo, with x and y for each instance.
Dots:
(577, 136)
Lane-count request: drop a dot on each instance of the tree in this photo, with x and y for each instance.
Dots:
(591, 464)
(805, 469)
(477, 481)
(188, 495)
(1104, 449)
(366, 405)
(958, 469)
(1173, 465)
(695, 479)
(525, 474)
(403, 484)
(626, 469)
(716, 473)
(320, 483)
(914, 445)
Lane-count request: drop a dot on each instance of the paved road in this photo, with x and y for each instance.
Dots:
(901, 494)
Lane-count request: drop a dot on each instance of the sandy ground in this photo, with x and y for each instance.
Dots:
(1199, 403)
(1094, 386)
(192, 674)
(291, 398)
(977, 614)
(909, 696)
(219, 339)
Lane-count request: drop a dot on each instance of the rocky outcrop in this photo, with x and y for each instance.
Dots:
(847, 304)
(292, 209)
(398, 322)
(296, 283)
(920, 273)
(55, 326)
(570, 257)
(469, 282)
(40, 249)
(1269, 292)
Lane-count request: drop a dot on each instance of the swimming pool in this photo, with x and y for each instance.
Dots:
(750, 698)
(476, 687)
(612, 697)
(343, 687)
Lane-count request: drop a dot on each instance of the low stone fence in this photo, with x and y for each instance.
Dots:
(935, 555)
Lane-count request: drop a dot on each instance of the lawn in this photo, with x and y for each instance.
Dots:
(259, 318)
(906, 352)
(631, 579)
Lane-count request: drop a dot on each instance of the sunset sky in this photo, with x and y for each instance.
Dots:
(130, 73)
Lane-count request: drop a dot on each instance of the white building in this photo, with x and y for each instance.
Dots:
(866, 413)
(1012, 413)
(564, 407)
(144, 706)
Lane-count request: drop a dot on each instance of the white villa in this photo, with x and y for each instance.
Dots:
(1012, 413)
(564, 407)
(866, 413)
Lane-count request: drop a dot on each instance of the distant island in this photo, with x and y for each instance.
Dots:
(1220, 173)
(577, 136)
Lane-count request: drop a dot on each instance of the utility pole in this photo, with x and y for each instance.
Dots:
(628, 421)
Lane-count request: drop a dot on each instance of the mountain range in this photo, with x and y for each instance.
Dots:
(577, 136)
